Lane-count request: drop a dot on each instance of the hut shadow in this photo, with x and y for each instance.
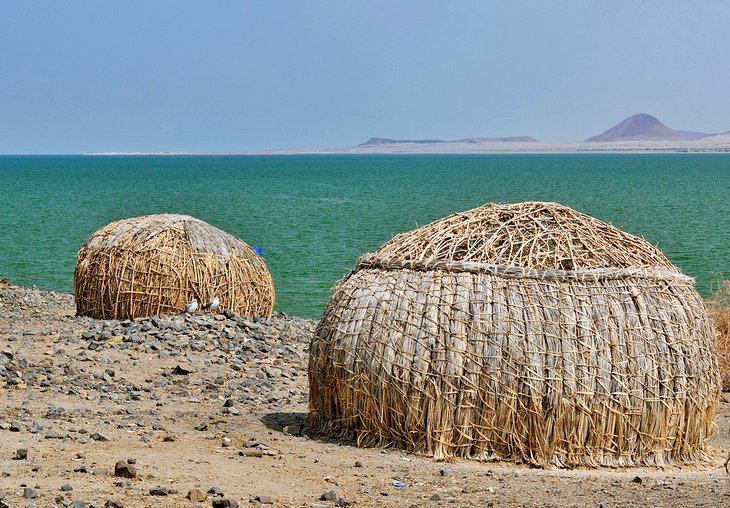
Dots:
(295, 424)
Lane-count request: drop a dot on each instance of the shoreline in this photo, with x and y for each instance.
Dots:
(144, 412)
(721, 145)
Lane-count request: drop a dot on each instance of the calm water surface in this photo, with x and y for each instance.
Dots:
(314, 215)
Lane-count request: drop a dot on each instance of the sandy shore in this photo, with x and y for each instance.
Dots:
(107, 413)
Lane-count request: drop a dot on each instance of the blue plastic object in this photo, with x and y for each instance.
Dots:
(258, 250)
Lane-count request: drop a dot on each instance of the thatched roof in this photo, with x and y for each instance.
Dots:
(157, 263)
(142, 233)
(526, 332)
(527, 235)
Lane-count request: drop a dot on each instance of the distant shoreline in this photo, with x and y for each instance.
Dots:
(499, 148)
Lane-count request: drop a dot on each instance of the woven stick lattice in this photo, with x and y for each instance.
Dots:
(609, 364)
(157, 263)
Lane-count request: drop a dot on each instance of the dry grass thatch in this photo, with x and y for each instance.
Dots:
(526, 332)
(157, 263)
(719, 308)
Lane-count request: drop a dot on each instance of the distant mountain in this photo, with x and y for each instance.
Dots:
(386, 141)
(643, 127)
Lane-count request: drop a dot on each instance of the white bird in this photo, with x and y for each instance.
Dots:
(192, 306)
(212, 305)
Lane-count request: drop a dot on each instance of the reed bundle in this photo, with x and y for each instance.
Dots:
(529, 332)
(157, 263)
(719, 309)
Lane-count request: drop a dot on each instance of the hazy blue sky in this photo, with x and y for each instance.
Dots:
(214, 76)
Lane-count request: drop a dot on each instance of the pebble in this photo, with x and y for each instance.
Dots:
(112, 503)
(125, 470)
(196, 495)
(225, 503)
(264, 499)
(55, 434)
(77, 504)
(159, 491)
(293, 430)
(328, 496)
(21, 454)
(66, 487)
(30, 493)
(215, 491)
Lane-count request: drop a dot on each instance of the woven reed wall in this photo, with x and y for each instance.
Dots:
(603, 366)
(156, 264)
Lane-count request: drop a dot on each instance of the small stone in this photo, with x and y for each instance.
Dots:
(638, 480)
(125, 470)
(293, 430)
(77, 504)
(183, 370)
(616, 483)
(30, 493)
(66, 488)
(98, 436)
(329, 496)
(201, 426)
(55, 434)
(215, 491)
(252, 453)
(226, 442)
(112, 503)
(358, 463)
(265, 499)
(15, 426)
(196, 495)
(159, 491)
(225, 503)
(445, 472)
(21, 454)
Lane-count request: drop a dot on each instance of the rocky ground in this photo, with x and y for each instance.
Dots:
(209, 410)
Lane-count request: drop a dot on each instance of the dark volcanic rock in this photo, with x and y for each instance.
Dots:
(125, 470)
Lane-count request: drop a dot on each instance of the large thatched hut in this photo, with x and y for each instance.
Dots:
(157, 263)
(526, 332)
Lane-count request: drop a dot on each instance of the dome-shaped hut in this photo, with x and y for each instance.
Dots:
(157, 263)
(527, 332)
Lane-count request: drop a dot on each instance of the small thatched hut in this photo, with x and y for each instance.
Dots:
(157, 263)
(526, 332)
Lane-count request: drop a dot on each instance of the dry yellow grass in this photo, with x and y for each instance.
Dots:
(719, 309)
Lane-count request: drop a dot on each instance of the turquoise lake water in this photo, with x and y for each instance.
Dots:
(314, 215)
